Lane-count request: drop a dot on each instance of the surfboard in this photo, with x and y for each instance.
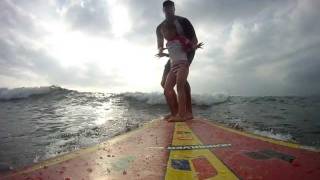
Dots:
(195, 149)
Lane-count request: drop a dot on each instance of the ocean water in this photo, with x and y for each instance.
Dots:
(43, 122)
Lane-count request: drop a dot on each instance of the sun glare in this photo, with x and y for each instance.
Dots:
(119, 19)
(115, 56)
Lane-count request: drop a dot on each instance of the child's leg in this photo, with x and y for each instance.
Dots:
(170, 94)
(182, 75)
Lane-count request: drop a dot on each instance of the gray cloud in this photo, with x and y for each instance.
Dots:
(88, 15)
(21, 59)
(303, 71)
(146, 15)
(38, 62)
(14, 20)
(251, 47)
(275, 51)
(226, 12)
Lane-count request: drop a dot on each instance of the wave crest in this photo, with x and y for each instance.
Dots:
(25, 92)
(155, 98)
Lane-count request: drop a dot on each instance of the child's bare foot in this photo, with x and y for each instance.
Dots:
(177, 119)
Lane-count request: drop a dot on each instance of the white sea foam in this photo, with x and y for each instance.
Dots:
(24, 92)
(36, 159)
(271, 134)
(158, 98)
(209, 99)
(149, 98)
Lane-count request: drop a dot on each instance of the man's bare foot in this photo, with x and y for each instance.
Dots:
(177, 119)
(166, 117)
(189, 116)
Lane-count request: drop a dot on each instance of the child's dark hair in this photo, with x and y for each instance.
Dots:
(168, 3)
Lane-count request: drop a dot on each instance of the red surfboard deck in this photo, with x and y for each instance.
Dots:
(196, 149)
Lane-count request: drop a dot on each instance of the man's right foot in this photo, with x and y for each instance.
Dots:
(177, 119)
(166, 117)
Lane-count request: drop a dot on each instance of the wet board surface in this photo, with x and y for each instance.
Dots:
(196, 149)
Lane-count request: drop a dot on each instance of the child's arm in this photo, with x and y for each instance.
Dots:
(162, 54)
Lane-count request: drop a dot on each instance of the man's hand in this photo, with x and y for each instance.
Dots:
(199, 45)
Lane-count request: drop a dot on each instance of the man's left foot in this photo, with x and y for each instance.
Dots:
(166, 117)
(189, 116)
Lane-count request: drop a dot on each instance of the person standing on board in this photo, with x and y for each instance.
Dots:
(178, 46)
(184, 28)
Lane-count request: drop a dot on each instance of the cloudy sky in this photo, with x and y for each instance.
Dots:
(265, 47)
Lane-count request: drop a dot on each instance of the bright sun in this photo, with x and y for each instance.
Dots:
(119, 19)
(134, 64)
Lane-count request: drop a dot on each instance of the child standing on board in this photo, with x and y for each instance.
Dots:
(177, 46)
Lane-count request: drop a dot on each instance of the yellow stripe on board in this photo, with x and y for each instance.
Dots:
(181, 162)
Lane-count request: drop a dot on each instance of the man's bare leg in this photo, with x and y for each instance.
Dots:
(189, 114)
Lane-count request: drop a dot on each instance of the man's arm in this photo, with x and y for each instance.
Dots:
(189, 31)
(159, 38)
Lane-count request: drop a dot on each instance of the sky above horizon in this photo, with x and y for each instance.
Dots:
(252, 48)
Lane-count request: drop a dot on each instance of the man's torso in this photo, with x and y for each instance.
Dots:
(183, 29)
